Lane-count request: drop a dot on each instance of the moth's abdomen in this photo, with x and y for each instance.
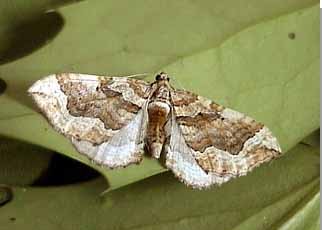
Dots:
(158, 113)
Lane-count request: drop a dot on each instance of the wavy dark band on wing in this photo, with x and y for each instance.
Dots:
(211, 129)
(103, 103)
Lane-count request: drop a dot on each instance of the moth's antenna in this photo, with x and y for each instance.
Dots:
(177, 82)
(139, 76)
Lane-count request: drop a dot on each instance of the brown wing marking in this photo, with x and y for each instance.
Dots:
(211, 129)
(105, 98)
(186, 103)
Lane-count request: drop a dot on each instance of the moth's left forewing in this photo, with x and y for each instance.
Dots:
(104, 117)
(223, 143)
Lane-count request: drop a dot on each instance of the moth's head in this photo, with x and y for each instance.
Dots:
(162, 77)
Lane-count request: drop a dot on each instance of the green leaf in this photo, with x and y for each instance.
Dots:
(261, 62)
(275, 196)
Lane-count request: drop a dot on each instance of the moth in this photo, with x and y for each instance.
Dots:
(115, 120)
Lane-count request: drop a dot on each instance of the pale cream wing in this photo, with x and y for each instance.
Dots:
(97, 113)
(223, 143)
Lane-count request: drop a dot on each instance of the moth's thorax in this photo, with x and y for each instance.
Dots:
(162, 92)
